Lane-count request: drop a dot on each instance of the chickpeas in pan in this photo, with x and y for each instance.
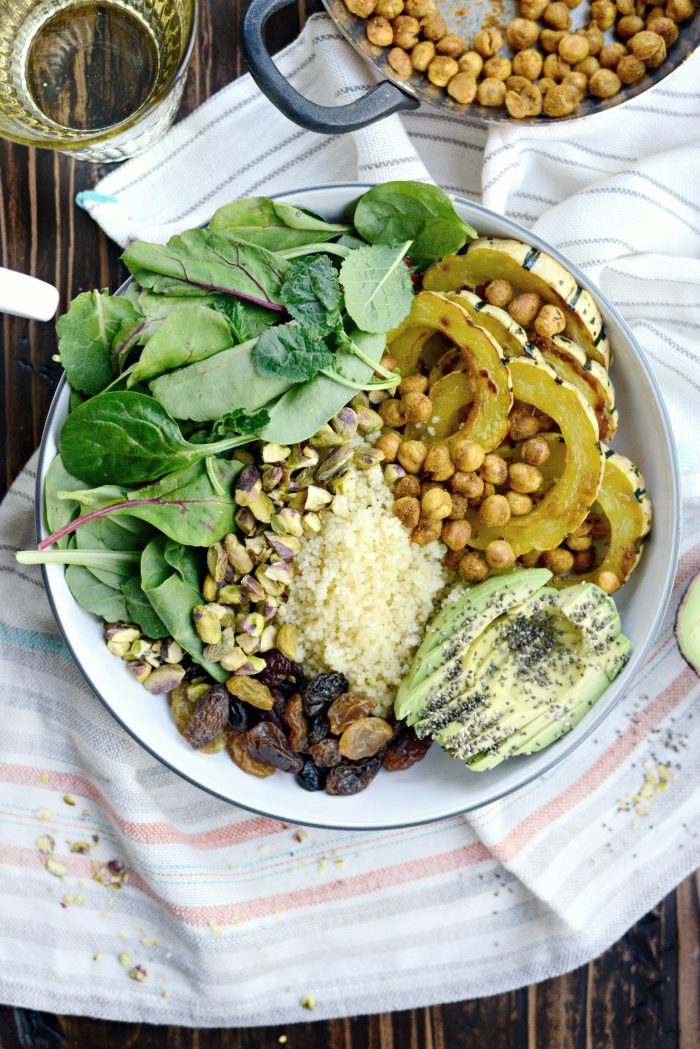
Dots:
(462, 88)
(604, 84)
(441, 70)
(379, 31)
(522, 33)
(523, 98)
(528, 64)
(491, 92)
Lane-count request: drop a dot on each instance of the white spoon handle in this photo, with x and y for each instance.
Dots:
(26, 296)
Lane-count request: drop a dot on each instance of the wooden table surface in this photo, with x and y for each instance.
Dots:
(643, 993)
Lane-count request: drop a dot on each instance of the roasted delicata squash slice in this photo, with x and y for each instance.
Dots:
(566, 503)
(487, 420)
(510, 336)
(570, 362)
(527, 269)
(452, 397)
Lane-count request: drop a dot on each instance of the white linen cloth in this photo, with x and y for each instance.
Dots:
(251, 915)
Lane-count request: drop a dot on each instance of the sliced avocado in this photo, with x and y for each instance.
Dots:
(514, 668)
(688, 625)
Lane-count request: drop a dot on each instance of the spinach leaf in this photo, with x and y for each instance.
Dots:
(184, 560)
(95, 596)
(85, 335)
(173, 600)
(157, 307)
(290, 352)
(274, 226)
(312, 295)
(299, 412)
(212, 388)
(119, 562)
(239, 422)
(193, 333)
(377, 285)
(208, 260)
(139, 610)
(398, 211)
(59, 511)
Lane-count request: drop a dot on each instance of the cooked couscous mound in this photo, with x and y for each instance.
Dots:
(363, 591)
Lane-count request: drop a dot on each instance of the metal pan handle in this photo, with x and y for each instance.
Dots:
(380, 102)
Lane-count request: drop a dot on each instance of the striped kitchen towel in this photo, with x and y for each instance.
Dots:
(125, 892)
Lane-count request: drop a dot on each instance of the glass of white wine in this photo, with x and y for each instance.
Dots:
(98, 79)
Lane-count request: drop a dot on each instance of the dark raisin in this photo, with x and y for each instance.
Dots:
(322, 690)
(319, 727)
(288, 688)
(276, 714)
(209, 718)
(310, 777)
(295, 721)
(277, 668)
(192, 669)
(238, 715)
(325, 753)
(404, 752)
(351, 779)
(268, 743)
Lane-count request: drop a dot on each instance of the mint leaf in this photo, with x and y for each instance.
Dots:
(312, 295)
(377, 285)
(234, 313)
(290, 352)
(247, 424)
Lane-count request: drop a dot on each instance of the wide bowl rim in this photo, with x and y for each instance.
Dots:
(570, 742)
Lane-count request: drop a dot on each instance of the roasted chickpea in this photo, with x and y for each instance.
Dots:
(456, 534)
(361, 8)
(558, 561)
(467, 455)
(680, 10)
(561, 100)
(487, 42)
(426, 531)
(499, 292)
(630, 69)
(438, 463)
(608, 581)
(389, 444)
(407, 509)
(379, 31)
(594, 37)
(530, 559)
(391, 412)
(412, 455)
(666, 28)
(527, 63)
(408, 485)
(471, 62)
(523, 424)
(573, 48)
(460, 505)
(494, 469)
(499, 554)
(532, 9)
(462, 88)
(523, 99)
(584, 560)
(604, 84)
(556, 15)
(489, 489)
(422, 55)
(611, 54)
(389, 8)
(434, 27)
(494, 511)
(628, 26)
(524, 308)
(413, 383)
(420, 8)
(498, 67)
(441, 70)
(649, 47)
(550, 38)
(451, 45)
(406, 30)
(535, 451)
(400, 62)
(473, 568)
(588, 66)
(577, 543)
(577, 80)
(491, 92)
(452, 559)
(519, 503)
(524, 478)
(469, 485)
(550, 321)
(655, 12)
(416, 407)
(522, 33)
(436, 504)
(603, 13)
(626, 7)
(555, 68)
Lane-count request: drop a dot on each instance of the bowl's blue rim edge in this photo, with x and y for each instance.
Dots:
(629, 670)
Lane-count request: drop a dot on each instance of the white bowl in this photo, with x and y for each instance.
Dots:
(438, 787)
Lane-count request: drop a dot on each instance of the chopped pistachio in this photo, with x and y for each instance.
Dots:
(275, 453)
(46, 844)
(288, 641)
(268, 638)
(59, 870)
(316, 498)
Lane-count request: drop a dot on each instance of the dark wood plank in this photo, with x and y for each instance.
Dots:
(643, 993)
